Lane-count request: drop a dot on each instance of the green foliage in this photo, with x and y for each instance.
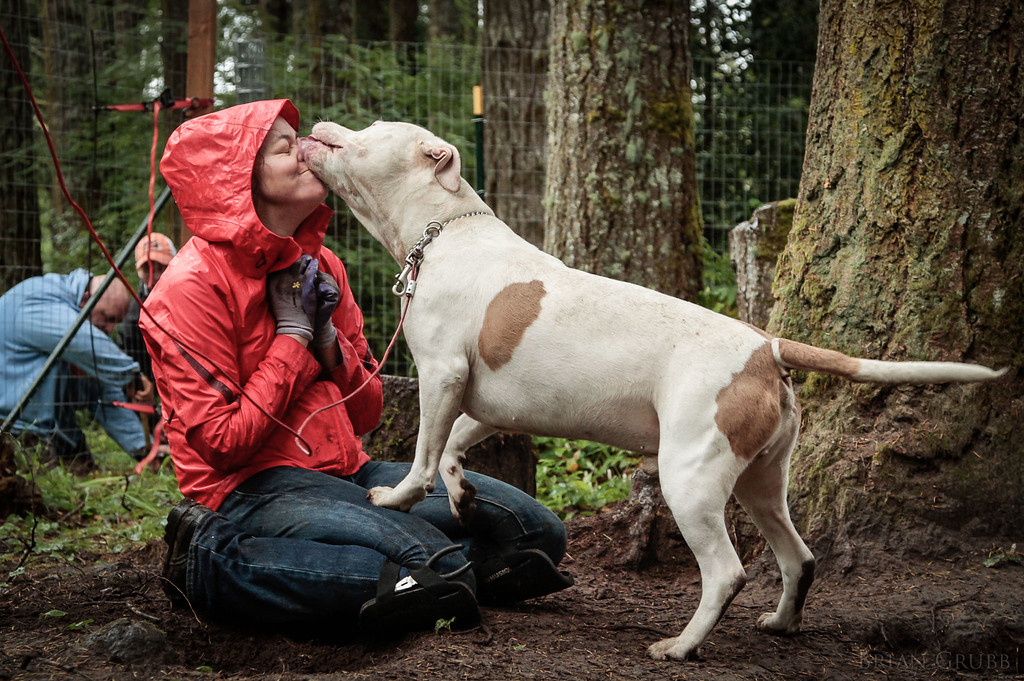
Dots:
(719, 286)
(110, 511)
(1000, 558)
(580, 477)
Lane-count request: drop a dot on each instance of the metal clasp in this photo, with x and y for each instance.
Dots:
(406, 279)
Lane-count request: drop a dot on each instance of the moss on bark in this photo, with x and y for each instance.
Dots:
(908, 243)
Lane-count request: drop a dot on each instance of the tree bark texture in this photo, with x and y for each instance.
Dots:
(515, 63)
(20, 232)
(621, 169)
(908, 244)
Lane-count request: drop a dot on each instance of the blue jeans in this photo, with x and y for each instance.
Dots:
(292, 546)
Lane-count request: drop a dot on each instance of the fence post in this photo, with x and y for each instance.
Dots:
(478, 123)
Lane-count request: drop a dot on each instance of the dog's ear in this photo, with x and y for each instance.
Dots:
(448, 169)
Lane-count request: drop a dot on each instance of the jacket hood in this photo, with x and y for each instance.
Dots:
(208, 163)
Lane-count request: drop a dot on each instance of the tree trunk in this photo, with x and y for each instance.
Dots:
(452, 21)
(908, 243)
(621, 168)
(369, 20)
(515, 63)
(402, 21)
(20, 233)
(330, 17)
(65, 69)
(621, 198)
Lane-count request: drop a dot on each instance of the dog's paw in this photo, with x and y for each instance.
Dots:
(389, 497)
(463, 504)
(771, 623)
(671, 648)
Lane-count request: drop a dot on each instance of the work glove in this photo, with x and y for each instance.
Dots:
(291, 294)
(327, 296)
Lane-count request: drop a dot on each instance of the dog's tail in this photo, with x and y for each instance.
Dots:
(794, 355)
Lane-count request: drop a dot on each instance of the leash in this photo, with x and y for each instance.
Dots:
(406, 279)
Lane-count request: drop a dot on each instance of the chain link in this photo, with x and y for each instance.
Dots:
(405, 284)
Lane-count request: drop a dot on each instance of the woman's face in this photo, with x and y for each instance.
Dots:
(285, 191)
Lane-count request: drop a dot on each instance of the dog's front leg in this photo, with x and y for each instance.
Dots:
(439, 406)
(461, 494)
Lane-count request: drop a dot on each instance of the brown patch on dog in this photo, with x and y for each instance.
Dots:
(809, 358)
(508, 316)
(749, 407)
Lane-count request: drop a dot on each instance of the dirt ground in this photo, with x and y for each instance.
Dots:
(868, 616)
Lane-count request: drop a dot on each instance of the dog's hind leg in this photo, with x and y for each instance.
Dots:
(461, 494)
(696, 486)
(761, 490)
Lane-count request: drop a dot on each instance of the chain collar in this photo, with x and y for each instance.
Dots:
(405, 284)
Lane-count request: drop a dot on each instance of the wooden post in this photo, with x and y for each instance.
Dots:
(202, 51)
(202, 60)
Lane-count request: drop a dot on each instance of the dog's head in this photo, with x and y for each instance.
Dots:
(381, 164)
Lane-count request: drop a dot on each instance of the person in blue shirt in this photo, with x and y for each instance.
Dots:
(92, 374)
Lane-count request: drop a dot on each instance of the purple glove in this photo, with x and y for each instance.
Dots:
(291, 294)
(327, 297)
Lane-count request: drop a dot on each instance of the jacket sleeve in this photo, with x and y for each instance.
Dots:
(90, 350)
(197, 369)
(358, 365)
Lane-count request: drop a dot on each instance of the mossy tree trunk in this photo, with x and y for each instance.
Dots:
(621, 168)
(621, 198)
(908, 244)
(514, 72)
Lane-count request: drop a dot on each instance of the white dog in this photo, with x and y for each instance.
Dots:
(516, 340)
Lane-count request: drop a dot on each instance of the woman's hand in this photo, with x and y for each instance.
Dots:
(325, 336)
(292, 296)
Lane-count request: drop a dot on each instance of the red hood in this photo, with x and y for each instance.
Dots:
(208, 164)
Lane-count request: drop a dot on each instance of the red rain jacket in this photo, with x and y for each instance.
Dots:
(223, 374)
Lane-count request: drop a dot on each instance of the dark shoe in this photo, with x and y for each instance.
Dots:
(517, 576)
(418, 601)
(181, 527)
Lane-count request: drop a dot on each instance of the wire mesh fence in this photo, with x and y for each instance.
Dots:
(80, 57)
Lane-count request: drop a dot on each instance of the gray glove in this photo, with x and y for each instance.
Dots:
(327, 296)
(291, 294)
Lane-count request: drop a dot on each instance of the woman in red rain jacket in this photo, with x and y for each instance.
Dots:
(255, 339)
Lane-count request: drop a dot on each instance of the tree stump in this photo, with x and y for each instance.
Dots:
(754, 248)
(508, 457)
(17, 495)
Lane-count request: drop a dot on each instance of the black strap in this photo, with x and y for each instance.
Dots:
(387, 581)
(205, 374)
